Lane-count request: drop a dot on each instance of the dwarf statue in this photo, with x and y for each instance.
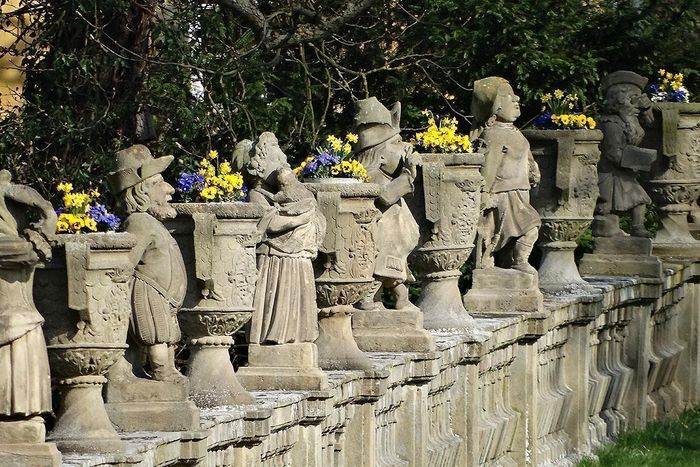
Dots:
(509, 226)
(627, 108)
(160, 281)
(25, 381)
(392, 164)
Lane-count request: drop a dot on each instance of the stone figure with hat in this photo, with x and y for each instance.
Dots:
(158, 289)
(284, 325)
(392, 164)
(509, 225)
(25, 381)
(627, 108)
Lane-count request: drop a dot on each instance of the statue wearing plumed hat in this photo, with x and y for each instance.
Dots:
(391, 163)
(509, 226)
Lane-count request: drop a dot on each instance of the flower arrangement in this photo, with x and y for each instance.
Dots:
(81, 212)
(333, 160)
(670, 88)
(214, 181)
(441, 136)
(559, 113)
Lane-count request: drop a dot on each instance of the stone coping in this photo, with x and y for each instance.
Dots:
(97, 240)
(233, 210)
(579, 135)
(456, 158)
(346, 190)
(276, 410)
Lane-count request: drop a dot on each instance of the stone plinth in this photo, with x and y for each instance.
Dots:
(283, 367)
(22, 444)
(621, 256)
(497, 290)
(391, 331)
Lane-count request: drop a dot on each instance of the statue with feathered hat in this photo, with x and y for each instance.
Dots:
(509, 225)
(160, 281)
(391, 163)
(627, 108)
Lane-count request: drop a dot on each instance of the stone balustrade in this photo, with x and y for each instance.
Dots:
(522, 389)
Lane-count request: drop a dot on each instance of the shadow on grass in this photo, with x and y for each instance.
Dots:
(669, 443)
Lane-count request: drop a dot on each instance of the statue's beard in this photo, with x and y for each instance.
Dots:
(636, 131)
(162, 212)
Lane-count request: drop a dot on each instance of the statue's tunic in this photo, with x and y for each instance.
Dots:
(619, 189)
(285, 293)
(159, 284)
(25, 382)
(507, 171)
(398, 232)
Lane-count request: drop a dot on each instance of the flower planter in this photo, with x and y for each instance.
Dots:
(217, 241)
(675, 182)
(565, 199)
(446, 205)
(83, 294)
(344, 269)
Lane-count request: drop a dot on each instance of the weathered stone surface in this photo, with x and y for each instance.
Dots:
(621, 256)
(156, 292)
(627, 109)
(446, 205)
(565, 200)
(497, 290)
(283, 367)
(391, 331)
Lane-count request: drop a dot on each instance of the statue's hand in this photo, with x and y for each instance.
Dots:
(412, 162)
(644, 103)
(40, 243)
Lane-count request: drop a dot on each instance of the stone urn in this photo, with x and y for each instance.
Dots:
(84, 296)
(344, 268)
(217, 241)
(446, 205)
(565, 199)
(675, 181)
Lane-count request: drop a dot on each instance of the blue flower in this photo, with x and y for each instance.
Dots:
(654, 88)
(544, 121)
(101, 216)
(188, 182)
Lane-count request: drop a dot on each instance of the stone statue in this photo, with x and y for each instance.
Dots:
(627, 108)
(390, 163)
(509, 225)
(159, 282)
(25, 381)
(285, 317)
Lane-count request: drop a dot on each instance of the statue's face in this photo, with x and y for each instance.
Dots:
(160, 194)
(507, 105)
(266, 161)
(392, 153)
(629, 98)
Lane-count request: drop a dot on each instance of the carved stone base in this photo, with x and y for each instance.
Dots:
(441, 302)
(83, 425)
(497, 290)
(621, 256)
(283, 367)
(391, 331)
(153, 416)
(138, 404)
(558, 273)
(29, 454)
(695, 230)
(213, 382)
(337, 348)
(24, 431)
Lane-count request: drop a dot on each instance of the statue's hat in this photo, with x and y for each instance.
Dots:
(374, 123)
(624, 77)
(134, 165)
(484, 97)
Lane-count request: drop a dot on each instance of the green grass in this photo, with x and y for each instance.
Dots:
(670, 443)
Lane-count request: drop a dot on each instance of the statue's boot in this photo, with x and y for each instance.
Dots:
(638, 229)
(607, 225)
(521, 252)
(400, 293)
(162, 358)
(369, 302)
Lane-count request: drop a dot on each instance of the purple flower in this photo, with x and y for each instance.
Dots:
(101, 216)
(188, 182)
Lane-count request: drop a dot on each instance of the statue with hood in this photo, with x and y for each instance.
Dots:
(390, 163)
(509, 225)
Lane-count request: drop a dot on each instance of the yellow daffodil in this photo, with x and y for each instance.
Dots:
(351, 137)
(225, 168)
(213, 154)
(65, 187)
(558, 93)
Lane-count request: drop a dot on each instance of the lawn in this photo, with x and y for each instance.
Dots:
(669, 443)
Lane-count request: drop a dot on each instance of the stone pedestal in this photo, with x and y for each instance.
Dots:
(497, 290)
(22, 444)
(83, 294)
(675, 183)
(283, 367)
(344, 268)
(621, 256)
(565, 199)
(446, 206)
(391, 331)
(217, 241)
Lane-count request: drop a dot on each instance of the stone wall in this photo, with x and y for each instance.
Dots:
(529, 389)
